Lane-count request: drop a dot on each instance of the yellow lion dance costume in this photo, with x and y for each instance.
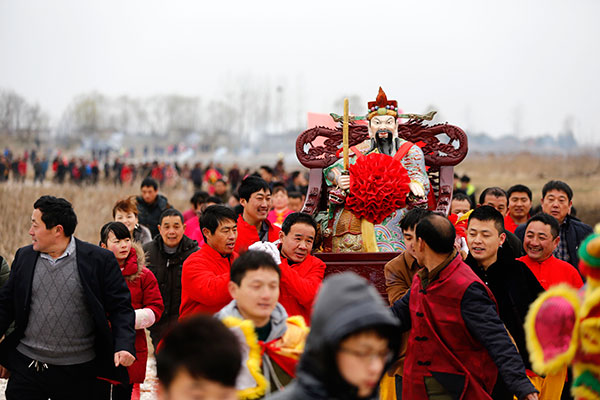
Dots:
(563, 326)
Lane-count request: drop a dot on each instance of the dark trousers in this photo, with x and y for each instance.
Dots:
(119, 392)
(57, 382)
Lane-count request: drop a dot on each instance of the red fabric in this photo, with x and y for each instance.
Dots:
(299, 285)
(553, 271)
(192, 230)
(450, 347)
(510, 224)
(204, 281)
(247, 234)
(378, 186)
(144, 294)
(288, 364)
(276, 218)
(189, 214)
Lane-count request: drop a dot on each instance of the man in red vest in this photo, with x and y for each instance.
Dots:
(457, 342)
(252, 224)
(205, 273)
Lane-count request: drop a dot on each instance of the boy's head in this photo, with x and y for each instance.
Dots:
(408, 224)
(461, 204)
(297, 236)
(255, 197)
(485, 234)
(495, 197)
(199, 358)
(295, 201)
(254, 286)
(219, 228)
(149, 189)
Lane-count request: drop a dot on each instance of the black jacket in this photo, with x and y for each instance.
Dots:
(576, 232)
(107, 296)
(345, 304)
(149, 214)
(515, 287)
(167, 270)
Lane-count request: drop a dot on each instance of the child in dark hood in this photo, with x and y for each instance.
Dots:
(352, 342)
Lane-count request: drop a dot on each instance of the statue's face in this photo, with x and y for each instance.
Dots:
(383, 127)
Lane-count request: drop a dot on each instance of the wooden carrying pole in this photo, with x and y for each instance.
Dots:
(346, 143)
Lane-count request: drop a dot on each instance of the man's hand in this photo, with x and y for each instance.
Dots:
(417, 189)
(123, 358)
(531, 396)
(4, 373)
(344, 182)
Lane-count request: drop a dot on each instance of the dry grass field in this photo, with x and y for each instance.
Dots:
(93, 205)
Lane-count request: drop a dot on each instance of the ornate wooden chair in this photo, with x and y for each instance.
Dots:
(443, 145)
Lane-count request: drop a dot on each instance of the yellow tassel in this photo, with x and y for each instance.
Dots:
(368, 236)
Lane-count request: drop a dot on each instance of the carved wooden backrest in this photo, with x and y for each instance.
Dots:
(444, 147)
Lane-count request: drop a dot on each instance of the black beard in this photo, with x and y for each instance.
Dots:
(385, 145)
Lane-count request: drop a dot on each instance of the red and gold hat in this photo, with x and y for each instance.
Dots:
(382, 106)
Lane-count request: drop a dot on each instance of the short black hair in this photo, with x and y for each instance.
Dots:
(519, 189)
(488, 213)
(438, 232)
(221, 180)
(558, 185)
(297, 218)
(465, 178)
(117, 228)
(57, 211)
(149, 182)
(213, 216)
(204, 348)
(213, 199)
(546, 219)
(199, 198)
(295, 195)
(267, 168)
(461, 196)
(494, 191)
(170, 212)
(252, 184)
(251, 260)
(412, 218)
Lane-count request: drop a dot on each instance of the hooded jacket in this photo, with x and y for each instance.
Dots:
(345, 304)
(144, 294)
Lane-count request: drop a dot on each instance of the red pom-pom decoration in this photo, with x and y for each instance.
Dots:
(378, 186)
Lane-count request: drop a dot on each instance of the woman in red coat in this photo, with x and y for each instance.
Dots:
(145, 297)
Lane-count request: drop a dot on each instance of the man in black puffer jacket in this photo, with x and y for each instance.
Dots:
(150, 205)
(165, 256)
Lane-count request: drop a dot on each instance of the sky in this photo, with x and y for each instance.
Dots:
(503, 67)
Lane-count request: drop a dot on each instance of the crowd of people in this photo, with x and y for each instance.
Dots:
(74, 314)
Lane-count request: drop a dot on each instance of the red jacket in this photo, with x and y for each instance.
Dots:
(299, 285)
(144, 294)
(440, 341)
(192, 230)
(553, 271)
(204, 281)
(247, 234)
(510, 224)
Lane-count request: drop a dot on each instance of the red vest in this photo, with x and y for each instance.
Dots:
(439, 340)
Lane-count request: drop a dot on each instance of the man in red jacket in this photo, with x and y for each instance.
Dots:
(301, 272)
(205, 273)
(541, 238)
(253, 226)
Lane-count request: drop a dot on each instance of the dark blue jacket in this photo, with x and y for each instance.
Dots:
(576, 232)
(107, 296)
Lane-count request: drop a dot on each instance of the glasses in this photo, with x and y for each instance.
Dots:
(364, 356)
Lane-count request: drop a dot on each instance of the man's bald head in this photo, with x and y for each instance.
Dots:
(437, 232)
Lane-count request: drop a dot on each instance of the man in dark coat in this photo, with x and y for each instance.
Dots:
(164, 257)
(72, 312)
(511, 282)
(151, 205)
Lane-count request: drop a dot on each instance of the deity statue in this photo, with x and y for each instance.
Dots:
(367, 202)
